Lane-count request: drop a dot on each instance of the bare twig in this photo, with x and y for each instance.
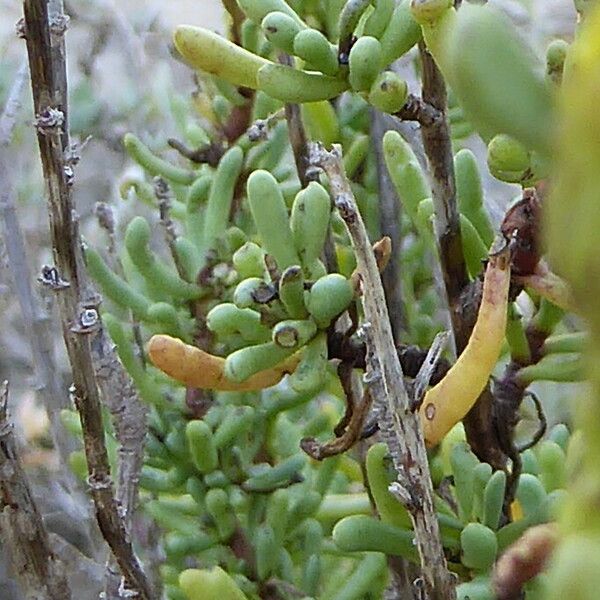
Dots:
(399, 424)
(162, 191)
(423, 378)
(8, 118)
(411, 357)
(210, 154)
(57, 26)
(128, 415)
(389, 220)
(35, 319)
(38, 570)
(106, 219)
(349, 435)
(129, 422)
(296, 133)
(298, 140)
(299, 144)
(82, 330)
(416, 109)
(352, 390)
(438, 148)
(109, 15)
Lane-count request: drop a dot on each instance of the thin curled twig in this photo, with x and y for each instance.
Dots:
(349, 430)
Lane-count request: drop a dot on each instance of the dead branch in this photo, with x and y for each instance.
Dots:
(389, 220)
(129, 422)
(438, 148)
(8, 118)
(35, 319)
(78, 305)
(38, 570)
(399, 424)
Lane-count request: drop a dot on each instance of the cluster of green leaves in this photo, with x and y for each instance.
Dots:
(240, 506)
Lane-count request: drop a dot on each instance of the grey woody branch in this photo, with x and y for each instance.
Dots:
(398, 422)
(35, 319)
(82, 330)
(389, 223)
(39, 572)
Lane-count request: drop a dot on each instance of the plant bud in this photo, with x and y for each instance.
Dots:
(389, 92)
(508, 159)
